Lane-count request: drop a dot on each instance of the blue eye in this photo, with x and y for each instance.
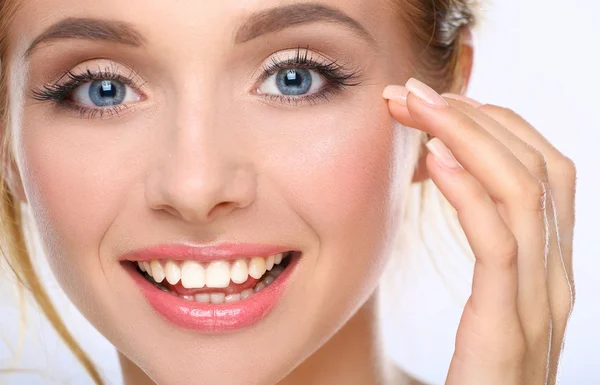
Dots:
(292, 82)
(295, 81)
(103, 93)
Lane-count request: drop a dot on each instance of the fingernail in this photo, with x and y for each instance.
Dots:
(395, 93)
(442, 154)
(463, 98)
(425, 93)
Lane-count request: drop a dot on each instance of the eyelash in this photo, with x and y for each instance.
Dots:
(338, 77)
(59, 92)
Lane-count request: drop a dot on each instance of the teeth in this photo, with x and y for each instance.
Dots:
(270, 262)
(276, 271)
(202, 297)
(239, 271)
(217, 298)
(158, 272)
(172, 272)
(233, 297)
(192, 275)
(246, 293)
(217, 274)
(269, 279)
(257, 267)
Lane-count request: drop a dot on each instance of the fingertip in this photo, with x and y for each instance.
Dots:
(395, 93)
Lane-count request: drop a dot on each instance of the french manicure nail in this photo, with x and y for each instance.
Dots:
(442, 154)
(396, 93)
(425, 93)
(463, 98)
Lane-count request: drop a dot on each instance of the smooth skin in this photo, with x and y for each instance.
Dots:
(514, 195)
(201, 158)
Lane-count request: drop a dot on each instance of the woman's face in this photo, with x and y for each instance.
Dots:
(252, 127)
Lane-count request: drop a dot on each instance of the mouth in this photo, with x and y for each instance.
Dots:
(217, 296)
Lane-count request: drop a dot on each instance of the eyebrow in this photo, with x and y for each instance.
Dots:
(90, 29)
(258, 24)
(286, 16)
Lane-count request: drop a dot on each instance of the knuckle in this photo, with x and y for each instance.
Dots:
(565, 168)
(527, 191)
(535, 162)
(565, 307)
(507, 251)
(533, 194)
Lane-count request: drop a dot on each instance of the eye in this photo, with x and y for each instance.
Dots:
(292, 82)
(103, 93)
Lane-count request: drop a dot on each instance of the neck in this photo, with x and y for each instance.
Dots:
(353, 356)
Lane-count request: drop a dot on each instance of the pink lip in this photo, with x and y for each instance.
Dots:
(212, 318)
(227, 251)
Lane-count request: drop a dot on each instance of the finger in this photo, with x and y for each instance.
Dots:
(489, 337)
(491, 163)
(546, 162)
(534, 306)
(561, 175)
(513, 133)
(492, 242)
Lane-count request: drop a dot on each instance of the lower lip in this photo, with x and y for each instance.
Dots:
(215, 318)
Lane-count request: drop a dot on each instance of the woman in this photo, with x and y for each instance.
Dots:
(217, 186)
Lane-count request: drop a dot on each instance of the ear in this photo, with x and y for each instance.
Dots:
(465, 62)
(459, 86)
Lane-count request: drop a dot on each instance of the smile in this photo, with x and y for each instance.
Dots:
(203, 289)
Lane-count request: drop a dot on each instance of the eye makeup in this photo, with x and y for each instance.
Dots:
(288, 70)
(61, 92)
(336, 77)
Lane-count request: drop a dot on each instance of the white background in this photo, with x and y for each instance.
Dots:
(539, 57)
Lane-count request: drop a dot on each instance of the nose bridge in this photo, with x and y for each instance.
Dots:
(198, 173)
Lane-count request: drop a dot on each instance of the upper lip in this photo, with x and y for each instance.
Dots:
(204, 253)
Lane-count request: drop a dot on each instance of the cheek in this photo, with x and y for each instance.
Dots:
(74, 182)
(338, 173)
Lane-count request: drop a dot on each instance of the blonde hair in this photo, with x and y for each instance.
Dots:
(435, 23)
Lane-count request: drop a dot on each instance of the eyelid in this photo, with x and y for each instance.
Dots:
(336, 75)
(84, 73)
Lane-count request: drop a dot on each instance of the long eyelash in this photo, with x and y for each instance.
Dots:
(339, 76)
(59, 92)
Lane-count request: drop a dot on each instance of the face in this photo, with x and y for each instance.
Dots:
(171, 155)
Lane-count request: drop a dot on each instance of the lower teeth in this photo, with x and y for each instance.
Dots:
(218, 298)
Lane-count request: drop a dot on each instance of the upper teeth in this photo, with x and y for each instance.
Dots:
(216, 274)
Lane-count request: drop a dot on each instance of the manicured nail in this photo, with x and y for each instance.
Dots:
(463, 98)
(442, 154)
(396, 94)
(425, 93)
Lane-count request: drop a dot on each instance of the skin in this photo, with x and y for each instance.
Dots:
(202, 159)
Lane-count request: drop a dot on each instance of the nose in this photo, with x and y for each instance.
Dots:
(198, 173)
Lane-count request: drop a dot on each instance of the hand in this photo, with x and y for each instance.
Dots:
(514, 195)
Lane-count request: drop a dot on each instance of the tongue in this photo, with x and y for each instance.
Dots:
(233, 288)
